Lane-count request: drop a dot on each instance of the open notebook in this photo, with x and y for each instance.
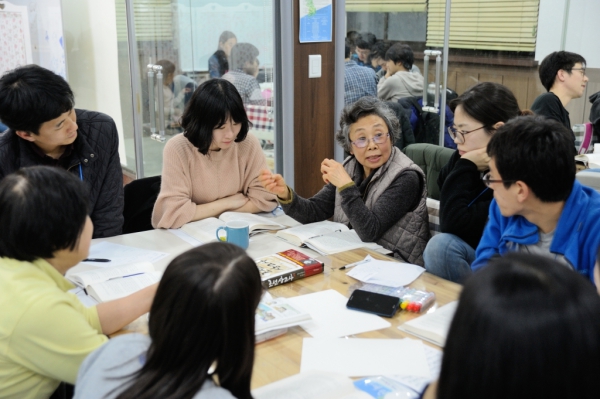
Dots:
(434, 326)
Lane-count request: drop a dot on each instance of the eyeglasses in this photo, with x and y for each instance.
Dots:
(582, 70)
(487, 181)
(379, 138)
(453, 131)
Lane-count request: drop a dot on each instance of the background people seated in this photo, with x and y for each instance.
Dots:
(398, 81)
(45, 129)
(525, 327)
(363, 42)
(213, 166)
(378, 190)
(243, 73)
(538, 205)
(358, 82)
(218, 63)
(46, 332)
(464, 198)
(563, 75)
(201, 331)
(377, 57)
(177, 91)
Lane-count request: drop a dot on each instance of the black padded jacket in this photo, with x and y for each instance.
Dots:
(96, 149)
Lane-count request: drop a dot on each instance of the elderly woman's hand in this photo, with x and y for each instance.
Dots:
(274, 184)
(334, 173)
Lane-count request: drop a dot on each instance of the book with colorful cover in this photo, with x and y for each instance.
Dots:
(284, 267)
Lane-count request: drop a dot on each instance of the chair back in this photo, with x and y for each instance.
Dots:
(431, 159)
(140, 196)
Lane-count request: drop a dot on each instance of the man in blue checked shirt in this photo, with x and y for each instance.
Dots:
(358, 81)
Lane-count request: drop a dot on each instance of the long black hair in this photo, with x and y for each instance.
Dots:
(526, 327)
(203, 312)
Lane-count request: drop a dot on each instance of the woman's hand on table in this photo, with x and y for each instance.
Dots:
(479, 157)
(275, 184)
(334, 173)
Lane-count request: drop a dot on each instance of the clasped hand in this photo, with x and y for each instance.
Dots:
(274, 183)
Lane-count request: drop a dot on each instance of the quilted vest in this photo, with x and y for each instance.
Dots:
(408, 237)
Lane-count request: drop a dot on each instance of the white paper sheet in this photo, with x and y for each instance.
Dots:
(331, 318)
(418, 383)
(359, 357)
(390, 274)
(121, 254)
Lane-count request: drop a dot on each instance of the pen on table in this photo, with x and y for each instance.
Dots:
(96, 260)
(129, 275)
(354, 264)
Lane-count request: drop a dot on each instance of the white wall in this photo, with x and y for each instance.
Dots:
(90, 33)
(582, 30)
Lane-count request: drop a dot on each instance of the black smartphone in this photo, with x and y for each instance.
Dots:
(372, 302)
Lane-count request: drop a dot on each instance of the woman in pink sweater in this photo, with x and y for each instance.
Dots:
(213, 166)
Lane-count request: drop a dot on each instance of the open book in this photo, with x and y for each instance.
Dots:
(277, 313)
(325, 237)
(432, 327)
(311, 385)
(205, 230)
(107, 284)
(592, 161)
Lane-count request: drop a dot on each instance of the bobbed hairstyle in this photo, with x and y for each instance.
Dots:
(241, 54)
(211, 105)
(203, 311)
(537, 151)
(488, 103)
(226, 35)
(401, 54)
(31, 95)
(556, 61)
(366, 106)
(42, 210)
(526, 327)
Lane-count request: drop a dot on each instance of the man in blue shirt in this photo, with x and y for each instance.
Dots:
(538, 205)
(358, 81)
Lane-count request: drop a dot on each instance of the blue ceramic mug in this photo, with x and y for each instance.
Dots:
(236, 232)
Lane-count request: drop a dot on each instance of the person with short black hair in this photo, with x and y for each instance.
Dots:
(358, 82)
(47, 332)
(525, 327)
(398, 81)
(213, 166)
(538, 205)
(218, 63)
(201, 334)
(562, 74)
(363, 42)
(45, 129)
(177, 90)
(243, 73)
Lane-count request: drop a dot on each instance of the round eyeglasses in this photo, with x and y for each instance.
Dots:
(379, 138)
(460, 138)
(487, 180)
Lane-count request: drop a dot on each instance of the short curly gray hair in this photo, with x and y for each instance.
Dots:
(361, 108)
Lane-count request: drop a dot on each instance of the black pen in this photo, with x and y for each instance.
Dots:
(96, 260)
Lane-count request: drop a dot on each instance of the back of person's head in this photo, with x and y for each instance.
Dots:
(167, 67)
(241, 54)
(526, 327)
(401, 54)
(226, 35)
(31, 95)
(42, 210)
(366, 106)
(379, 49)
(203, 312)
(365, 40)
(537, 151)
(346, 51)
(211, 105)
(488, 103)
(556, 61)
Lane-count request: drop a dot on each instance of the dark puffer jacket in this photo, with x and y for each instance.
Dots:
(96, 150)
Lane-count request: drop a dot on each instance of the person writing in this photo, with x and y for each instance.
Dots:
(213, 166)
(46, 332)
(378, 191)
(201, 334)
(464, 198)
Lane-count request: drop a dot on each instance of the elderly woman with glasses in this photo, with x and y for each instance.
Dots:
(378, 191)
(464, 196)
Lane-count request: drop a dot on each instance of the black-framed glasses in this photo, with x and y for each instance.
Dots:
(487, 180)
(459, 135)
(379, 138)
(582, 70)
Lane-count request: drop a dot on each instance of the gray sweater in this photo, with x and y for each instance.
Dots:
(399, 85)
(104, 373)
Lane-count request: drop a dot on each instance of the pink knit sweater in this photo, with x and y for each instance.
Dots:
(190, 178)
